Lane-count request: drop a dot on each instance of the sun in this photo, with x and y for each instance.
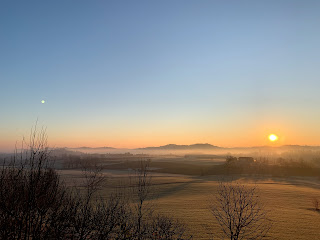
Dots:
(43, 101)
(273, 137)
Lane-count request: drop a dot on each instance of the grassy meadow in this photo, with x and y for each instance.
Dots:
(187, 198)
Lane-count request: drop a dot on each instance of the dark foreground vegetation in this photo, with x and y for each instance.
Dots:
(36, 204)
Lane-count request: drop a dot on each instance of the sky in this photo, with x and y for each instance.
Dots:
(132, 74)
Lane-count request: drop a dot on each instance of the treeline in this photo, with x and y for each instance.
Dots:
(283, 168)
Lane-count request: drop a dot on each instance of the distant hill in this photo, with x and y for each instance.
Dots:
(90, 148)
(198, 146)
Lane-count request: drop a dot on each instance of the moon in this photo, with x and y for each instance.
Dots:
(273, 137)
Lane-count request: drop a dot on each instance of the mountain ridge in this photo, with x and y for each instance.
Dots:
(200, 146)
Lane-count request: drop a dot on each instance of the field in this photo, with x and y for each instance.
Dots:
(187, 198)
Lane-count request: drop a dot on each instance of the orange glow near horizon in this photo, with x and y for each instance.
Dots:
(144, 142)
(147, 141)
(145, 137)
(139, 139)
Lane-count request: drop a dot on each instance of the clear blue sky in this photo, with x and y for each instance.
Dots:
(142, 73)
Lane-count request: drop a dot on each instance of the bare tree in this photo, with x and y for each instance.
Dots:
(239, 212)
(30, 191)
(141, 189)
(146, 224)
(86, 204)
(166, 228)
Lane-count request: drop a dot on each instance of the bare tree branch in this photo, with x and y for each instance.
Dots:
(239, 212)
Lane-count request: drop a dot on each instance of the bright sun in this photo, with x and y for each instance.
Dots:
(273, 137)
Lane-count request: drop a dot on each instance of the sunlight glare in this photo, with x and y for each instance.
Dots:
(273, 137)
